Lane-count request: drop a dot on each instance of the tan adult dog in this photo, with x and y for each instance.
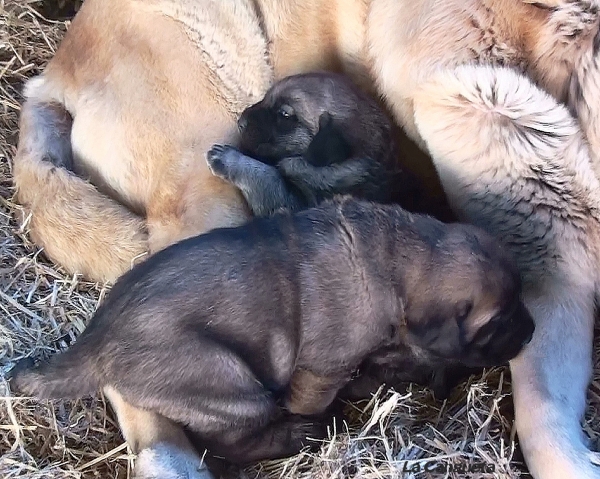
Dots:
(483, 86)
(150, 85)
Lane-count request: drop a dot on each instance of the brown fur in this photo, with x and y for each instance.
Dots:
(143, 118)
(138, 83)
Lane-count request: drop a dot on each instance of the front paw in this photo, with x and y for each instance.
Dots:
(219, 159)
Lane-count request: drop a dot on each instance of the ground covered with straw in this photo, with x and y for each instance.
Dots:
(42, 310)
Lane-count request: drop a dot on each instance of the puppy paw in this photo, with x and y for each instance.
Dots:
(293, 166)
(23, 378)
(307, 432)
(220, 159)
(165, 461)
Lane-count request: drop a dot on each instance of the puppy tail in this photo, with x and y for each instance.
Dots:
(79, 228)
(66, 375)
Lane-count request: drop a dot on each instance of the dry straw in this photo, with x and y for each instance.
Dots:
(42, 310)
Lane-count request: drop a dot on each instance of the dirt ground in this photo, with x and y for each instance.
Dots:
(42, 310)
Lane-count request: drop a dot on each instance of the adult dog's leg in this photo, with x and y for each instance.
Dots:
(550, 379)
(67, 215)
(164, 451)
(514, 162)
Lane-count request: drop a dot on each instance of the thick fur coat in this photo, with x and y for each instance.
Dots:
(503, 94)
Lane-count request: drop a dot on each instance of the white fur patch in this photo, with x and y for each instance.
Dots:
(32, 86)
(165, 461)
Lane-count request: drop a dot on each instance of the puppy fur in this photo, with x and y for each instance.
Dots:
(313, 136)
(285, 309)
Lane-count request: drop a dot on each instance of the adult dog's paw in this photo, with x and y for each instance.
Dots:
(165, 461)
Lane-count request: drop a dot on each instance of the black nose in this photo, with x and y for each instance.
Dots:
(527, 339)
(242, 123)
(526, 322)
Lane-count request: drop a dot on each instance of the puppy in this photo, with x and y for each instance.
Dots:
(313, 136)
(215, 331)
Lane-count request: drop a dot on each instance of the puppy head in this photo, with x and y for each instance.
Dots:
(465, 303)
(286, 121)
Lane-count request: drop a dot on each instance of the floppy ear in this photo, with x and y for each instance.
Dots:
(329, 145)
(438, 329)
(325, 120)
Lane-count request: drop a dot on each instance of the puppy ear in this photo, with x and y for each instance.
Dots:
(438, 332)
(329, 145)
(325, 120)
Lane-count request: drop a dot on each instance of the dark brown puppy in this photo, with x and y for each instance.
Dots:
(311, 137)
(214, 331)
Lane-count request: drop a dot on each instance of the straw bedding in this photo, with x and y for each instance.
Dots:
(42, 310)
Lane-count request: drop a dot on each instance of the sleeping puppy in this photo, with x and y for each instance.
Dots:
(313, 136)
(216, 331)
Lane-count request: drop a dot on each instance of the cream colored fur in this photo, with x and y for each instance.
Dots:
(484, 86)
(502, 93)
(515, 162)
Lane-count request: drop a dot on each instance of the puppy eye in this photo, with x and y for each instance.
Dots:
(286, 112)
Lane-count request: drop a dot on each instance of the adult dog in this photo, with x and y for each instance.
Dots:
(139, 90)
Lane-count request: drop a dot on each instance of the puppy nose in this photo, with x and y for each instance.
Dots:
(242, 123)
(527, 339)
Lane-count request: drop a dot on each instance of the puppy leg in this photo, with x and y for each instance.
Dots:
(163, 449)
(212, 391)
(514, 162)
(328, 180)
(282, 437)
(310, 394)
(262, 186)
